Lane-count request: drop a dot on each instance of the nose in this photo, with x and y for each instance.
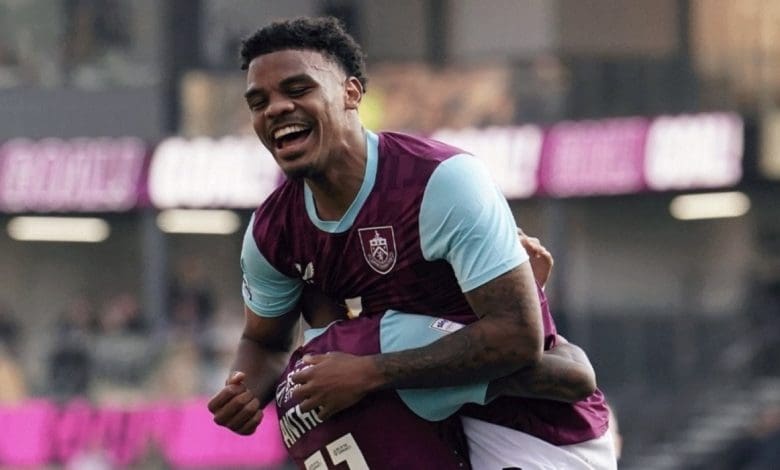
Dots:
(278, 106)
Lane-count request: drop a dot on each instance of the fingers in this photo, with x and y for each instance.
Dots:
(323, 412)
(314, 359)
(252, 424)
(235, 407)
(535, 248)
(302, 392)
(309, 401)
(301, 377)
(310, 404)
(225, 414)
(224, 396)
(243, 415)
(529, 243)
(236, 378)
(306, 373)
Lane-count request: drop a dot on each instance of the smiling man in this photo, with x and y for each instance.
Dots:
(386, 223)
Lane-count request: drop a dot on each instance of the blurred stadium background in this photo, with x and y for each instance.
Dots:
(640, 140)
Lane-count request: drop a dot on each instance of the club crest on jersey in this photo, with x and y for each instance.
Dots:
(378, 245)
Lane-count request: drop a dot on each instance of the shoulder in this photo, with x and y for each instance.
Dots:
(273, 220)
(278, 204)
(462, 176)
(281, 197)
(396, 143)
(461, 193)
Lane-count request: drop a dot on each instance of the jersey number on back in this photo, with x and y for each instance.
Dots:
(343, 449)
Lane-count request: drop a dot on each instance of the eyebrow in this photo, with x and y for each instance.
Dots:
(301, 77)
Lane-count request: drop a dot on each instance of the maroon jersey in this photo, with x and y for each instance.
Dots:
(380, 432)
(342, 265)
(349, 264)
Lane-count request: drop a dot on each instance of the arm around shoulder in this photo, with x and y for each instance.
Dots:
(563, 374)
(506, 338)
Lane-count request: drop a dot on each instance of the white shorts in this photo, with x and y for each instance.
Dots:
(494, 447)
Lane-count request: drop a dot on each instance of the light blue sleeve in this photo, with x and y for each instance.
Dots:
(466, 221)
(266, 291)
(399, 331)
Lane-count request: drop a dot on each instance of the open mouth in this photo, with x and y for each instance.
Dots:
(290, 135)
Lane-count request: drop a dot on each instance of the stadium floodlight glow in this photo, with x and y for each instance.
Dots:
(58, 229)
(709, 205)
(213, 222)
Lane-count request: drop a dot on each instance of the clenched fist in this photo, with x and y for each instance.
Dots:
(236, 407)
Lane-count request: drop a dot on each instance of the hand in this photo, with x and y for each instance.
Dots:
(541, 259)
(235, 407)
(333, 382)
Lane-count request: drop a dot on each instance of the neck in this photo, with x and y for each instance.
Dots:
(336, 189)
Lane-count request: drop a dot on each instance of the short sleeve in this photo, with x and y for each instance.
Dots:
(266, 291)
(466, 221)
(400, 331)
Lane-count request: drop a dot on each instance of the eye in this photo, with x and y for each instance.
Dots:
(257, 104)
(297, 91)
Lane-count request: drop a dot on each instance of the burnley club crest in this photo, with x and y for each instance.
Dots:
(378, 245)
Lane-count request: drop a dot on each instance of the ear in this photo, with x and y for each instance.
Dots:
(353, 93)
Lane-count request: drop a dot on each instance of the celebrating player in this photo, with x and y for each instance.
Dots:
(390, 223)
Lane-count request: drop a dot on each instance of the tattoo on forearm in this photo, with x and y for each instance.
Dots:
(494, 346)
(557, 377)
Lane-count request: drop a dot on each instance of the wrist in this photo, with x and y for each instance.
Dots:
(373, 377)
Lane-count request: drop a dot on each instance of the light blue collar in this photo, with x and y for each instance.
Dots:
(342, 225)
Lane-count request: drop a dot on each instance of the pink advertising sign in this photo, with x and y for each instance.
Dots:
(594, 157)
(54, 175)
(41, 433)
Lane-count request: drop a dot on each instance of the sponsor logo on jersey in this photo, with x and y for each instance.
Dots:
(446, 326)
(378, 245)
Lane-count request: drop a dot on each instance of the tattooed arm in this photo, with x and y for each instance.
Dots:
(506, 338)
(564, 374)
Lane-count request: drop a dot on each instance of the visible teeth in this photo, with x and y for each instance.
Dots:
(287, 130)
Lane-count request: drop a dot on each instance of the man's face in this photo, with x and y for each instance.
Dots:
(298, 103)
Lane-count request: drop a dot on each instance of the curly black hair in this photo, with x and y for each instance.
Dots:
(325, 35)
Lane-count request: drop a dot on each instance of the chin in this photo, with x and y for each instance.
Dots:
(294, 174)
(298, 172)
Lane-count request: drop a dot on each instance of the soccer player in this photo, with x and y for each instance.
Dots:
(386, 222)
(567, 377)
